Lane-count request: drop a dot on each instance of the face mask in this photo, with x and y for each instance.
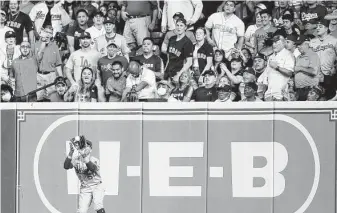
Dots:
(6, 97)
(161, 91)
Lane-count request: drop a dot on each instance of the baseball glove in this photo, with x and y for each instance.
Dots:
(132, 96)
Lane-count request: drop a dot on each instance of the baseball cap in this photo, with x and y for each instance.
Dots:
(85, 35)
(251, 85)
(260, 55)
(301, 39)
(225, 88)
(209, 72)
(98, 13)
(10, 34)
(323, 22)
(250, 70)
(111, 43)
(82, 10)
(261, 6)
(222, 52)
(276, 38)
(182, 20)
(60, 80)
(292, 38)
(288, 17)
(109, 21)
(179, 15)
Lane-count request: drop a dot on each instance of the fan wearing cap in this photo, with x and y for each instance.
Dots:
(164, 89)
(84, 57)
(325, 46)
(61, 89)
(190, 9)
(312, 13)
(250, 92)
(3, 27)
(279, 12)
(74, 30)
(248, 76)
(173, 32)
(208, 92)
(332, 17)
(224, 93)
(97, 29)
(179, 52)
(291, 45)
(279, 70)
(111, 36)
(20, 22)
(49, 13)
(264, 33)
(307, 68)
(315, 93)
(226, 28)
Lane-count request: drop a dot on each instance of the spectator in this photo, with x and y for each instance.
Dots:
(279, 12)
(87, 6)
(226, 28)
(264, 33)
(249, 34)
(325, 46)
(61, 89)
(202, 53)
(80, 59)
(260, 64)
(288, 27)
(179, 50)
(104, 63)
(150, 60)
(291, 45)
(247, 56)
(24, 71)
(163, 91)
(49, 60)
(111, 36)
(279, 69)
(183, 91)
(138, 22)
(206, 93)
(332, 17)
(312, 13)
(104, 9)
(306, 69)
(116, 84)
(7, 94)
(250, 93)
(190, 9)
(224, 94)
(48, 13)
(142, 80)
(218, 59)
(248, 76)
(19, 21)
(88, 89)
(235, 75)
(173, 32)
(97, 29)
(315, 93)
(3, 28)
(74, 31)
(26, 6)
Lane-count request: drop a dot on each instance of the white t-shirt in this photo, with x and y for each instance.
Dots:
(249, 35)
(80, 59)
(95, 33)
(225, 32)
(148, 76)
(277, 82)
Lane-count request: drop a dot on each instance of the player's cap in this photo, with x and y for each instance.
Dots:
(85, 35)
(261, 6)
(164, 82)
(60, 80)
(10, 34)
(82, 11)
(301, 39)
(331, 16)
(98, 13)
(250, 70)
(251, 85)
(262, 56)
(323, 22)
(182, 20)
(109, 21)
(292, 38)
(224, 88)
(111, 43)
(178, 15)
(209, 72)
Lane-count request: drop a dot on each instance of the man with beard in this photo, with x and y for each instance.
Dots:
(24, 70)
(84, 57)
(104, 63)
(207, 93)
(325, 46)
(116, 84)
(48, 13)
(151, 61)
(74, 31)
(20, 21)
(112, 37)
(61, 89)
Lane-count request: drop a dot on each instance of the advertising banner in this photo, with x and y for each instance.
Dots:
(169, 158)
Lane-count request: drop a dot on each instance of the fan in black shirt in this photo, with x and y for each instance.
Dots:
(207, 93)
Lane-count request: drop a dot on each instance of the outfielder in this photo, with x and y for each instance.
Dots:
(88, 172)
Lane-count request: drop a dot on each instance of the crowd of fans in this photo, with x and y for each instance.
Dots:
(175, 51)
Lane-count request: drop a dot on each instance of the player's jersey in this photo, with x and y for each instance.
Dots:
(87, 177)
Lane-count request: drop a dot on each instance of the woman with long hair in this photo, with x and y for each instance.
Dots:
(202, 52)
(183, 91)
(88, 89)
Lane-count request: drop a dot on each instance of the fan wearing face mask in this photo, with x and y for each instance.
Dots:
(7, 93)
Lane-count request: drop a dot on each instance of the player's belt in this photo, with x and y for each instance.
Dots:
(44, 72)
(140, 16)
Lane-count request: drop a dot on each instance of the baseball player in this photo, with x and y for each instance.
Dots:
(88, 172)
